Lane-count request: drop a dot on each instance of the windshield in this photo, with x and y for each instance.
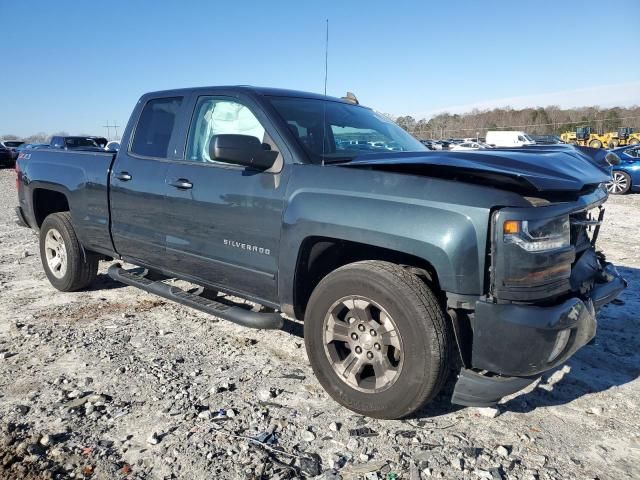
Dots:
(13, 144)
(349, 131)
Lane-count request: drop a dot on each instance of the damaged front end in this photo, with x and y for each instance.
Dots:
(547, 282)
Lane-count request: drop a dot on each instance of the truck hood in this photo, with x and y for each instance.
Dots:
(561, 168)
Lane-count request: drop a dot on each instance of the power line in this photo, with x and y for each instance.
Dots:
(109, 127)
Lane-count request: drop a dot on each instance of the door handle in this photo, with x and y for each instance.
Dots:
(182, 184)
(123, 176)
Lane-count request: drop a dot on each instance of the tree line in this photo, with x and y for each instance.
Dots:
(551, 120)
(40, 137)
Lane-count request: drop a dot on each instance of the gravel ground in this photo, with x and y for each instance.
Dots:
(116, 383)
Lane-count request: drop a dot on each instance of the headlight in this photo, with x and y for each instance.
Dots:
(532, 258)
(538, 235)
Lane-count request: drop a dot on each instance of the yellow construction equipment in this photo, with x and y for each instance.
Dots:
(624, 136)
(586, 137)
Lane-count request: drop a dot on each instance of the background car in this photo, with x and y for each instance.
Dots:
(547, 139)
(6, 157)
(31, 146)
(11, 145)
(429, 144)
(625, 177)
(470, 146)
(101, 141)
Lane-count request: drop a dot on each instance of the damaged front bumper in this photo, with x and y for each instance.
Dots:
(514, 343)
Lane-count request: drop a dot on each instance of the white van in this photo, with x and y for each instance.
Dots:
(502, 138)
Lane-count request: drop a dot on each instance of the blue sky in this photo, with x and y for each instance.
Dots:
(75, 65)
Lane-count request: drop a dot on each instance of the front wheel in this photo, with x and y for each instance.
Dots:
(634, 141)
(377, 339)
(66, 265)
(595, 144)
(620, 183)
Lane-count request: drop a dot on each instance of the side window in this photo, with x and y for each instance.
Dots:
(155, 126)
(213, 116)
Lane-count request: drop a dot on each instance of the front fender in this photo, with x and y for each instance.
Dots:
(451, 237)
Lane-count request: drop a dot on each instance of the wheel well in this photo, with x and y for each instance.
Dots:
(46, 202)
(319, 256)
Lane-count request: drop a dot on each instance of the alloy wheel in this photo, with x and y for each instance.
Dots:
(618, 184)
(56, 253)
(363, 345)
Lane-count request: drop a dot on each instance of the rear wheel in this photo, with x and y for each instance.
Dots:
(595, 144)
(613, 143)
(377, 339)
(634, 141)
(620, 183)
(66, 265)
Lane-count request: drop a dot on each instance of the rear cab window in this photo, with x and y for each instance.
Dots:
(155, 127)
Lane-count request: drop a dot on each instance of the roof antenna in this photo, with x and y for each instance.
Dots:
(324, 105)
(326, 57)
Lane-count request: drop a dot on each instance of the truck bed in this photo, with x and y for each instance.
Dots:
(83, 176)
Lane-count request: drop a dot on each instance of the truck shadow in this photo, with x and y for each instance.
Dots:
(293, 327)
(104, 282)
(610, 361)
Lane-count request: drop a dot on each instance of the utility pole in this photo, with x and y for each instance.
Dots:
(109, 127)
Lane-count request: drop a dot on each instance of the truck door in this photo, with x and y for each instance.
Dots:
(223, 221)
(138, 184)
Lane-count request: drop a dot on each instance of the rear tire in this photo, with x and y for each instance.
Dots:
(396, 370)
(595, 144)
(620, 183)
(634, 141)
(66, 265)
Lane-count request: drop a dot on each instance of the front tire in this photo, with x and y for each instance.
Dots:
(595, 144)
(377, 339)
(66, 265)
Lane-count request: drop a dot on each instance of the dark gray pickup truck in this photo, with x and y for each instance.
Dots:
(403, 263)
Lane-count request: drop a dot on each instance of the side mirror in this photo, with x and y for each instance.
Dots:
(612, 159)
(242, 150)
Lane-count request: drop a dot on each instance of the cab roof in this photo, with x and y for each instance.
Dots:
(262, 91)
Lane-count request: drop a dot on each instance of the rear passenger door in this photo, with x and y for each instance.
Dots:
(223, 221)
(138, 183)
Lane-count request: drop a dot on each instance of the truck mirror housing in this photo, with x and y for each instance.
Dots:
(244, 150)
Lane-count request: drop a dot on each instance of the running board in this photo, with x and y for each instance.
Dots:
(246, 318)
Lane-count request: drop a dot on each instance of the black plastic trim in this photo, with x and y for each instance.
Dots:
(517, 340)
(475, 390)
(604, 293)
(21, 220)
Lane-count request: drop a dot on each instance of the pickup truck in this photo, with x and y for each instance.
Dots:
(405, 265)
